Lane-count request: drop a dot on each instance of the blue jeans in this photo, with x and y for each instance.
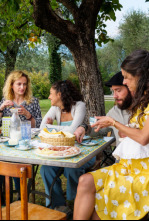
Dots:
(49, 173)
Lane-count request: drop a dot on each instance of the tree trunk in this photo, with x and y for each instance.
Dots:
(90, 79)
(10, 56)
(79, 38)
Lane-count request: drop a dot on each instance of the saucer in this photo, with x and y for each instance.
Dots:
(9, 145)
(3, 139)
(24, 148)
(89, 143)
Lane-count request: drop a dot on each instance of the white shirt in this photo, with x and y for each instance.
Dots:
(78, 112)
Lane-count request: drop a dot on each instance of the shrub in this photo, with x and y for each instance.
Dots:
(40, 84)
(74, 79)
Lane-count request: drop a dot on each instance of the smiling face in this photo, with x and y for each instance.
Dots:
(55, 97)
(19, 86)
(130, 81)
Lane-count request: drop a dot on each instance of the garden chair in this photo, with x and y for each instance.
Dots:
(22, 209)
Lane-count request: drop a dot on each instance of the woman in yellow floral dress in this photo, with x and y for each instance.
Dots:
(121, 191)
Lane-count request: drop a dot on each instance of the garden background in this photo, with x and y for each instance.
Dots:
(46, 59)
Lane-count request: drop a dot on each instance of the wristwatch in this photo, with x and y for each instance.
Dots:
(85, 126)
(1, 111)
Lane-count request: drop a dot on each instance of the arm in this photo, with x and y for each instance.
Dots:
(50, 114)
(78, 119)
(23, 111)
(139, 135)
(4, 104)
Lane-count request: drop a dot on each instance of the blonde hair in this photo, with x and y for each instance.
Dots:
(8, 92)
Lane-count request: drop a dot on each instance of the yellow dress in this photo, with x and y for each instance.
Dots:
(122, 190)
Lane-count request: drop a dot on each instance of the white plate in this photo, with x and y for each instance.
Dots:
(90, 143)
(3, 139)
(56, 157)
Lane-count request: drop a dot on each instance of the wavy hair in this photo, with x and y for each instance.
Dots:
(137, 64)
(8, 92)
(69, 94)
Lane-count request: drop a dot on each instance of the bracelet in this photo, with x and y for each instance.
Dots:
(1, 111)
(114, 123)
(30, 118)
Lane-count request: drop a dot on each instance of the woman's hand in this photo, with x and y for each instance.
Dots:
(103, 122)
(7, 103)
(79, 133)
(24, 112)
(49, 121)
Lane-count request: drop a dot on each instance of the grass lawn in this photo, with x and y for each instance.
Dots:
(45, 105)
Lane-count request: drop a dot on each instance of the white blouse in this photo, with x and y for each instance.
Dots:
(130, 149)
(78, 112)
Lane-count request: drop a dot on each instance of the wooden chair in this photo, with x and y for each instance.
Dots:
(22, 209)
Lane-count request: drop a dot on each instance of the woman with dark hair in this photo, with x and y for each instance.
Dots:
(67, 108)
(121, 191)
(69, 112)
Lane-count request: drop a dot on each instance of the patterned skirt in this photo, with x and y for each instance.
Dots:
(122, 190)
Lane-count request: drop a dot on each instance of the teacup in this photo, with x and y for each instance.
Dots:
(24, 144)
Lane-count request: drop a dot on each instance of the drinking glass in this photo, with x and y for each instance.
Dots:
(26, 130)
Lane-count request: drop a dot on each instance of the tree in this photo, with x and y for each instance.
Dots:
(16, 25)
(134, 32)
(78, 34)
(55, 58)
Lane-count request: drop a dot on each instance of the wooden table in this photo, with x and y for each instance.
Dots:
(10, 154)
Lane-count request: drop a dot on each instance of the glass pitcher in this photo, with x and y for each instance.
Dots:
(15, 125)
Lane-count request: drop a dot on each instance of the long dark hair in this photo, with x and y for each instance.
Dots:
(137, 64)
(69, 94)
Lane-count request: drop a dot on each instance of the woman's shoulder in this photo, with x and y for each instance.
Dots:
(80, 103)
(35, 99)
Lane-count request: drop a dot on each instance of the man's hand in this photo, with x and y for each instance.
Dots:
(79, 133)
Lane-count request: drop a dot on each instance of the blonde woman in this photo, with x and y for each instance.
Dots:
(17, 93)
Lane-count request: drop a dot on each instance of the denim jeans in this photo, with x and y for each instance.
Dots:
(49, 173)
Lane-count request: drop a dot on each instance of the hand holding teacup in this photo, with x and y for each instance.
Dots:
(102, 122)
(24, 112)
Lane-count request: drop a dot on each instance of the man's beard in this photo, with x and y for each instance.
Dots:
(127, 102)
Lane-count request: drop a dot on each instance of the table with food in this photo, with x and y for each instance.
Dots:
(52, 148)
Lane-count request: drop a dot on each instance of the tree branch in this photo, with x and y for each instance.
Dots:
(88, 12)
(71, 6)
(47, 19)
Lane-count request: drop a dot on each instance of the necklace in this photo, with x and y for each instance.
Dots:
(63, 112)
